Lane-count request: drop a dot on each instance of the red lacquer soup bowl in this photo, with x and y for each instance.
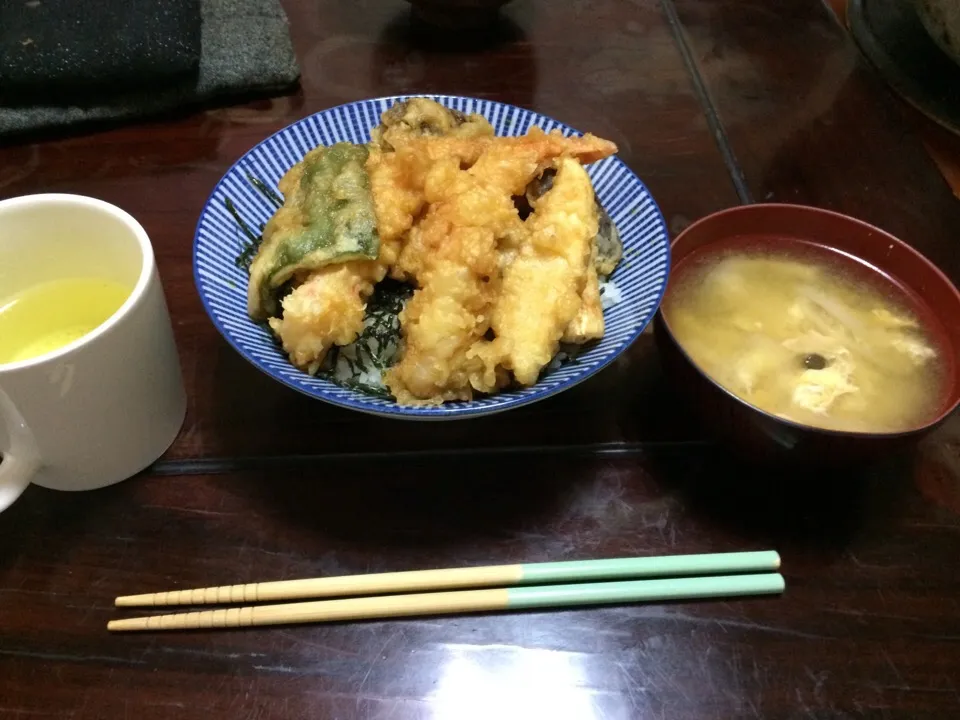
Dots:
(762, 436)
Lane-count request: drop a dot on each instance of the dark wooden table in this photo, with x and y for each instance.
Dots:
(713, 103)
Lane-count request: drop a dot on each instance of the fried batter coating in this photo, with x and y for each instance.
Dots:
(588, 323)
(542, 287)
(545, 146)
(422, 117)
(442, 190)
(327, 217)
(454, 255)
(329, 307)
(325, 310)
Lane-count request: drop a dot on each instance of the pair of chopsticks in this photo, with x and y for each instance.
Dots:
(507, 587)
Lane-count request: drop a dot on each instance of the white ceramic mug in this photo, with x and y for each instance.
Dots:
(104, 407)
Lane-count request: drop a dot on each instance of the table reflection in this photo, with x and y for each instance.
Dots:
(509, 682)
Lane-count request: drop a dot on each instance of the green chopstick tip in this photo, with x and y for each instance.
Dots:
(634, 591)
(651, 567)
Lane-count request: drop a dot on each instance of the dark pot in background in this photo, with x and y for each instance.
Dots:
(458, 14)
(941, 18)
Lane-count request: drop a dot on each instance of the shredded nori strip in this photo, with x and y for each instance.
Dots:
(248, 250)
(265, 190)
(383, 314)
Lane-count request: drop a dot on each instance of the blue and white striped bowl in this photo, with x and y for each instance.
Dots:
(641, 276)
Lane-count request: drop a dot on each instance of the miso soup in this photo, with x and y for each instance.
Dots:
(809, 335)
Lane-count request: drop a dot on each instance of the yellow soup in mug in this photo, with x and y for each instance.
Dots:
(45, 317)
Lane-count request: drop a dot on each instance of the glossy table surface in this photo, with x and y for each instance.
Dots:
(713, 103)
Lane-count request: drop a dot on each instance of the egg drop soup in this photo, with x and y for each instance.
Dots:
(810, 335)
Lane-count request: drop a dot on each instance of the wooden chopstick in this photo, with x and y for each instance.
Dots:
(464, 601)
(474, 577)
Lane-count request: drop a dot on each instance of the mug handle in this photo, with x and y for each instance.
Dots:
(20, 459)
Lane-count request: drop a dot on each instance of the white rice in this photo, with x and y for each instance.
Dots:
(610, 294)
(372, 376)
(347, 355)
(558, 360)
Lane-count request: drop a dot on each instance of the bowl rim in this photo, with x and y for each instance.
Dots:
(793, 207)
(464, 410)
